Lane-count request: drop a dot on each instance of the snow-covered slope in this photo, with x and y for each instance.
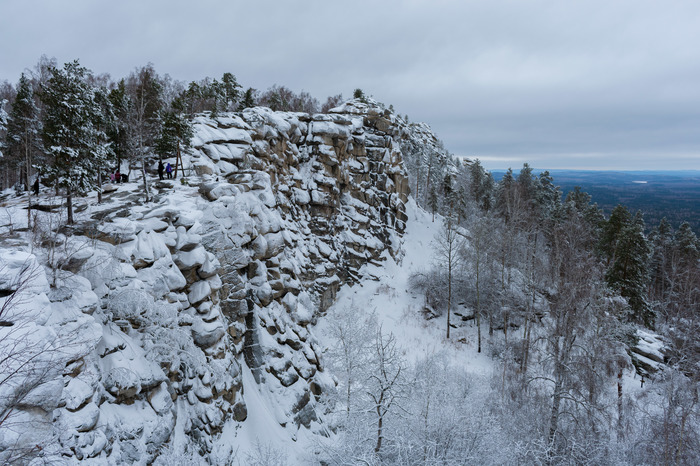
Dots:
(182, 329)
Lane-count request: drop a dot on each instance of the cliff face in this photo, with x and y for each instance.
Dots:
(171, 303)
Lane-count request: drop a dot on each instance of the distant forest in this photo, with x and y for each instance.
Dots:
(674, 195)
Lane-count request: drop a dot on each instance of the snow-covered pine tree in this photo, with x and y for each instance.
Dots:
(120, 133)
(175, 133)
(481, 185)
(230, 90)
(71, 134)
(581, 202)
(248, 100)
(619, 218)
(629, 270)
(504, 202)
(22, 140)
(547, 196)
(106, 119)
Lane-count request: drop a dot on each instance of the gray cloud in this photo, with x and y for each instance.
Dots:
(594, 84)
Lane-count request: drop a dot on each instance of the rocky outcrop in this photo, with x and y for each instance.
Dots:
(650, 353)
(299, 203)
(224, 273)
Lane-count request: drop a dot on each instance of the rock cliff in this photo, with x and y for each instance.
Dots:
(158, 310)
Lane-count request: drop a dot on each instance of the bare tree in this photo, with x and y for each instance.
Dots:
(146, 90)
(31, 359)
(448, 245)
(350, 354)
(670, 428)
(480, 238)
(385, 385)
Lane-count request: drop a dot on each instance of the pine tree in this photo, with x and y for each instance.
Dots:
(686, 265)
(527, 187)
(481, 185)
(611, 231)
(120, 133)
(504, 196)
(230, 88)
(448, 247)
(71, 132)
(686, 243)
(547, 196)
(104, 122)
(591, 213)
(176, 132)
(629, 270)
(248, 99)
(214, 92)
(23, 140)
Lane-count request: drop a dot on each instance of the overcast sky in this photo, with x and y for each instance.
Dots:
(561, 84)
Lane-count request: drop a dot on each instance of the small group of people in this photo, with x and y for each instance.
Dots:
(117, 177)
(168, 170)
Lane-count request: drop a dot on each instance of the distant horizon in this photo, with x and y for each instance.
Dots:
(612, 170)
(498, 165)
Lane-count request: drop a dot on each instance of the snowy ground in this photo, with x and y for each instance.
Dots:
(399, 310)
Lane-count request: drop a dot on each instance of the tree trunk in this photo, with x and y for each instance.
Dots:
(99, 187)
(69, 206)
(417, 182)
(349, 393)
(29, 189)
(178, 161)
(449, 295)
(427, 181)
(380, 423)
(619, 405)
(145, 180)
(478, 305)
(526, 346)
(556, 396)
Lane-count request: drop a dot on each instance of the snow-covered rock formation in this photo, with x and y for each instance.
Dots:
(154, 313)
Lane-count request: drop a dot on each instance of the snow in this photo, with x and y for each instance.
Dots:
(208, 134)
(77, 393)
(122, 228)
(650, 344)
(262, 426)
(399, 311)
